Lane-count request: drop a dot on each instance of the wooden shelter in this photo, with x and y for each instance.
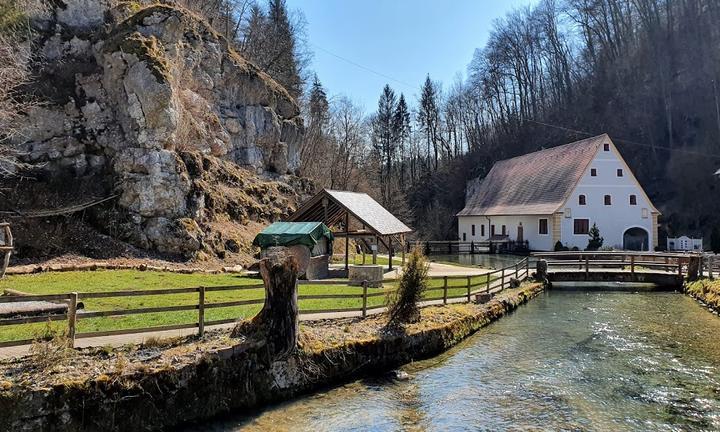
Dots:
(354, 215)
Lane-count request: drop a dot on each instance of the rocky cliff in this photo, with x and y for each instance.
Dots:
(151, 105)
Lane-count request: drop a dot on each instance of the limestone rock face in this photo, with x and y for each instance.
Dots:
(128, 96)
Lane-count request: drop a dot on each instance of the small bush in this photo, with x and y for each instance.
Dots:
(403, 306)
(50, 348)
(559, 246)
(595, 241)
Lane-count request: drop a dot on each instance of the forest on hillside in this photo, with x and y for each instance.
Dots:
(644, 71)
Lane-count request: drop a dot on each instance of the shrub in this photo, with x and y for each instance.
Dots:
(559, 246)
(595, 241)
(575, 249)
(403, 306)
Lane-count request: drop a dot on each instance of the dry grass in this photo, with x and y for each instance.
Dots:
(707, 290)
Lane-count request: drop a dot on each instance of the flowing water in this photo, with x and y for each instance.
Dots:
(603, 361)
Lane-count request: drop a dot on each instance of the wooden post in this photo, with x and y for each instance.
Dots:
(632, 266)
(702, 264)
(516, 270)
(347, 240)
(364, 307)
(587, 267)
(9, 245)
(449, 247)
(402, 246)
(72, 318)
(679, 260)
(487, 287)
(502, 279)
(468, 288)
(201, 311)
(472, 247)
(527, 267)
(390, 252)
(445, 288)
(711, 263)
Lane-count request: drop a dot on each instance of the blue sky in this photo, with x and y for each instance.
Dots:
(402, 39)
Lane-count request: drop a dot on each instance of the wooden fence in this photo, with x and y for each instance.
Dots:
(630, 261)
(452, 247)
(492, 282)
(6, 247)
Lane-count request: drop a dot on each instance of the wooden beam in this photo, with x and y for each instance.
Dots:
(347, 241)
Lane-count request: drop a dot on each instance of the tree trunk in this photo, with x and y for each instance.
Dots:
(278, 319)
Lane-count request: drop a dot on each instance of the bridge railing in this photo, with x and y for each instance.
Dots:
(619, 260)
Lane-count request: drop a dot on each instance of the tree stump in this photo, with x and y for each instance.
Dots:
(278, 320)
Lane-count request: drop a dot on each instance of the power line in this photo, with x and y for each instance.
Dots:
(589, 134)
(365, 68)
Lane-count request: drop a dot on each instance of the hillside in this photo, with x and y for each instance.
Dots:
(194, 147)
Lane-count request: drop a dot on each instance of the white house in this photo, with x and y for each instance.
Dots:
(557, 195)
(684, 243)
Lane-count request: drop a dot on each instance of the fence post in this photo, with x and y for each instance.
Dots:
(702, 263)
(711, 262)
(502, 279)
(72, 318)
(632, 266)
(679, 260)
(364, 307)
(468, 288)
(516, 270)
(472, 247)
(587, 267)
(527, 267)
(445, 288)
(201, 311)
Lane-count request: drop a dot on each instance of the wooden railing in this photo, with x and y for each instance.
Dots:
(6, 247)
(622, 260)
(492, 282)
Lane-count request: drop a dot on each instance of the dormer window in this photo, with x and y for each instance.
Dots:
(633, 200)
(606, 147)
(608, 200)
(619, 172)
(581, 200)
(593, 172)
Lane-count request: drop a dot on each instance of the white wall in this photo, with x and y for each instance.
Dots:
(612, 220)
(530, 229)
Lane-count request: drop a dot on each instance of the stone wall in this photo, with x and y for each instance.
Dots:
(125, 92)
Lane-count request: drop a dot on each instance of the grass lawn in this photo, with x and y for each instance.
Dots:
(118, 280)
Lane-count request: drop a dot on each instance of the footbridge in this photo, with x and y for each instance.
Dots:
(624, 270)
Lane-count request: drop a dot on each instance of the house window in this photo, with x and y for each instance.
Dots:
(606, 147)
(464, 237)
(543, 226)
(482, 230)
(472, 230)
(581, 200)
(492, 230)
(581, 226)
(619, 172)
(504, 232)
(633, 200)
(608, 200)
(593, 172)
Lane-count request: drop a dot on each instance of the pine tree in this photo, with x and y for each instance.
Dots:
(315, 151)
(429, 118)
(383, 140)
(595, 241)
(401, 135)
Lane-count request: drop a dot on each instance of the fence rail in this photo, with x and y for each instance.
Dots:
(452, 247)
(492, 282)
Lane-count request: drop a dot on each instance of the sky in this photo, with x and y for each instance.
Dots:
(396, 42)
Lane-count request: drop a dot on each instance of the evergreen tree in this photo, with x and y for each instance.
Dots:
(403, 307)
(282, 63)
(315, 149)
(429, 118)
(595, 241)
(715, 239)
(401, 135)
(383, 140)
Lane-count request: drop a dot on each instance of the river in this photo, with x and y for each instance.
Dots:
(603, 361)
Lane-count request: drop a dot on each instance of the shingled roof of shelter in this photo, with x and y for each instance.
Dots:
(359, 205)
(533, 184)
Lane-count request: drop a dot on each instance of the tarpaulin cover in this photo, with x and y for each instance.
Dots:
(292, 233)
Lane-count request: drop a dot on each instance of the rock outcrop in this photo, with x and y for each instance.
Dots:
(156, 101)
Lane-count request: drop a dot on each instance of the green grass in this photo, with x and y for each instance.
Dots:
(117, 280)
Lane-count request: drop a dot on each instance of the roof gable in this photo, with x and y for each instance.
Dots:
(360, 205)
(535, 183)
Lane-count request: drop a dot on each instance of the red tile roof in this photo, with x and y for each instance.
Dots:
(533, 184)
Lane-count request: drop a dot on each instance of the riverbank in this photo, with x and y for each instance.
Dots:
(161, 385)
(706, 291)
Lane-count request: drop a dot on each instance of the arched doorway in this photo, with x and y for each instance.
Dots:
(636, 239)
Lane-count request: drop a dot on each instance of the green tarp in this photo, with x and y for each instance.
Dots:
(292, 233)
